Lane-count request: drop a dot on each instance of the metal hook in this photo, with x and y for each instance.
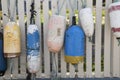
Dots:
(118, 41)
(90, 39)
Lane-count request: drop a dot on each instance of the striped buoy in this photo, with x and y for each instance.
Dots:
(74, 44)
(3, 63)
(114, 13)
(33, 49)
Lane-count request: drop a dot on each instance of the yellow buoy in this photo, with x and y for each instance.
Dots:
(12, 46)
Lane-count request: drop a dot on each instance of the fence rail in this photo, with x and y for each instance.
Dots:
(102, 58)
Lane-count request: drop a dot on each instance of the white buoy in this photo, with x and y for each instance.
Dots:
(56, 30)
(86, 20)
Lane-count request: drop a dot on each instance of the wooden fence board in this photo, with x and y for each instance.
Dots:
(98, 38)
(21, 14)
(107, 42)
(46, 52)
(89, 50)
(38, 23)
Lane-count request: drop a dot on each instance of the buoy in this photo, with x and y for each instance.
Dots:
(74, 44)
(12, 38)
(114, 13)
(86, 19)
(56, 30)
(33, 46)
(33, 49)
(3, 63)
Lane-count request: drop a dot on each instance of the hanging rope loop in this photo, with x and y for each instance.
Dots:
(115, 0)
(84, 3)
(33, 13)
(59, 8)
(74, 6)
(10, 15)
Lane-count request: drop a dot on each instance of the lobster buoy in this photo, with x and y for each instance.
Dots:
(114, 13)
(56, 30)
(33, 49)
(86, 19)
(12, 45)
(3, 63)
(74, 44)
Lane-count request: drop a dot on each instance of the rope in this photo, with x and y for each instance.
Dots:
(84, 3)
(11, 67)
(10, 15)
(115, 0)
(73, 8)
(33, 13)
(76, 70)
(33, 76)
(54, 68)
(58, 7)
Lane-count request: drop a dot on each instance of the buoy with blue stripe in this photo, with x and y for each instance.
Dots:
(114, 14)
(33, 46)
(3, 63)
(74, 44)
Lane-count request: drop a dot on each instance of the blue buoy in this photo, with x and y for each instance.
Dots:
(3, 63)
(74, 44)
(33, 49)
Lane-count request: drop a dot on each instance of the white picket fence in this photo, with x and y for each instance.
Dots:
(104, 49)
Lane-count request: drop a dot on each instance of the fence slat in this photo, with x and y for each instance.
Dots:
(54, 11)
(71, 13)
(89, 50)
(98, 38)
(13, 14)
(21, 14)
(116, 57)
(38, 23)
(28, 7)
(107, 42)
(5, 20)
(81, 73)
(46, 52)
(63, 63)
(13, 9)
(4, 11)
